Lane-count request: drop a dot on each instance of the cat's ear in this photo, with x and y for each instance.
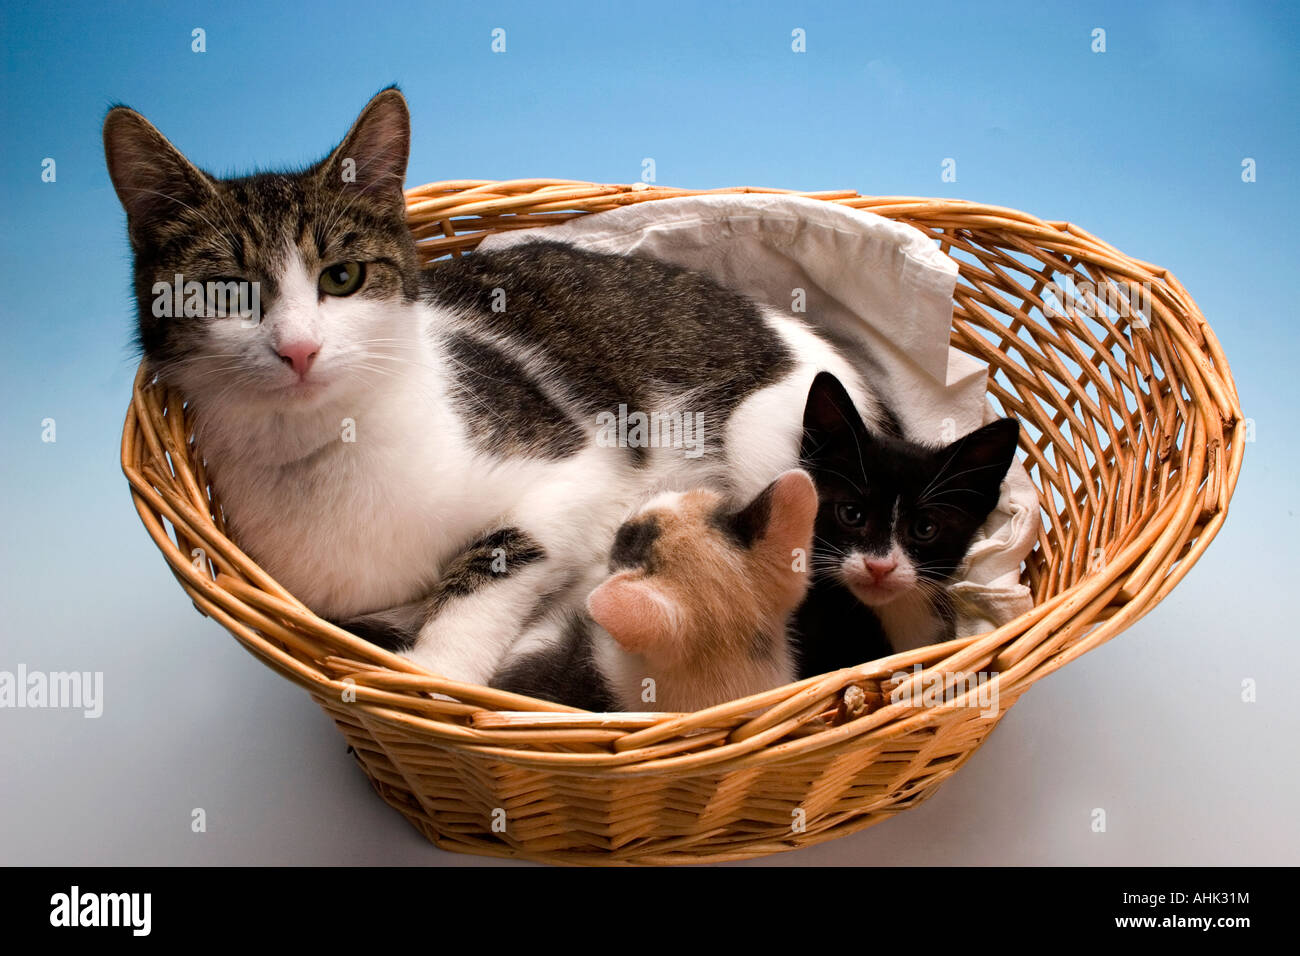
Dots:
(829, 416)
(641, 617)
(980, 460)
(779, 523)
(372, 157)
(781, 516)
(153, 180)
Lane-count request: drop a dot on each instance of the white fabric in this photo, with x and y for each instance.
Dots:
(882, 284)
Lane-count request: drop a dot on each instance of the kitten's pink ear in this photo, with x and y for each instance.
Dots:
(787, 538)
(153, 180)
(793, 510)
(372, 157)
(636, 614)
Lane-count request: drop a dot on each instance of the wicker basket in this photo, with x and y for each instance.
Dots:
(1132, 433)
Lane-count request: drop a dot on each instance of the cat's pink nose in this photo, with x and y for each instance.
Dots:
(879, 568)
(299, 355)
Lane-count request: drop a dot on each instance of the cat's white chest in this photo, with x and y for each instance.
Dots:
(366, 521)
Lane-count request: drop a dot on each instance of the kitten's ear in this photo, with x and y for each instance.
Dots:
(153, 180)
(640, 616)
(829, 415)
(980, 460)
(780, 523)
(372, 157)
(781, 516)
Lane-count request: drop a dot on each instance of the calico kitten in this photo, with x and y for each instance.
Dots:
(376, 417)
(695, 612)
(895, 522)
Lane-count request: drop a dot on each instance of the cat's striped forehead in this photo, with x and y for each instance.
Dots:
(245, 226)
(255, 228)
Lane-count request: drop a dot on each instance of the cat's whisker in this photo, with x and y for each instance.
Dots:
(351, 195)
(220, 233)
(947, 480)
(853, 484)
(480, 401)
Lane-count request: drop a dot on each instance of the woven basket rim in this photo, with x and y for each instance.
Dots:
(169, 487)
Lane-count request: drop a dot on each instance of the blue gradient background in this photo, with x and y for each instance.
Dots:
(1141, 145)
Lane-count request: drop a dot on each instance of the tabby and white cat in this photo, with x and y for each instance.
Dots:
(895, 521)
(382, 421)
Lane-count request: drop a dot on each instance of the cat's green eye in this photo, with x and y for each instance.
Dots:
(850, 515)
(342, 278)
(924, 529)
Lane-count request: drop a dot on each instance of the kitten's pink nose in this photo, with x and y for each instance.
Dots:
(879, 568)
(299, 355)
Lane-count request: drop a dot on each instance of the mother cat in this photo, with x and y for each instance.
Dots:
(381, 419)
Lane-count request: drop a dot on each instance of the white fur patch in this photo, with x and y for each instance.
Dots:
(764, 432)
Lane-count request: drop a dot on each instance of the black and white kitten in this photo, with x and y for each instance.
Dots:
(895, 521)
(382, 420)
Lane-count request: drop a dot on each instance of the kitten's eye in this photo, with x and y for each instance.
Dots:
(850, 515)
(342, 278)
(923, 529)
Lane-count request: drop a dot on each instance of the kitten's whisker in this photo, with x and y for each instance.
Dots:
(951, 478)
(856, 487)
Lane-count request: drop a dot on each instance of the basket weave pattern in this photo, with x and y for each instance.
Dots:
(1132, 432)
